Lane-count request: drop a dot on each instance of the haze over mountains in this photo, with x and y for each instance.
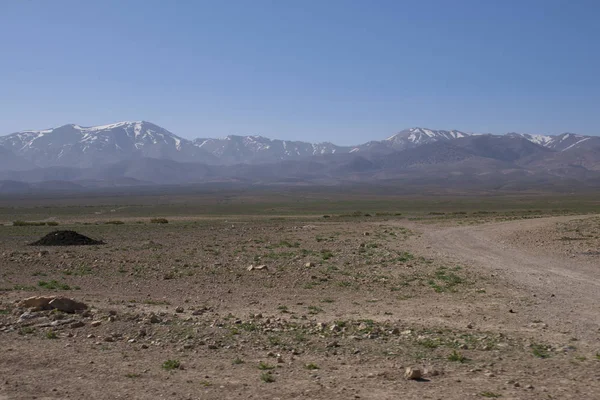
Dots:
(141, 153)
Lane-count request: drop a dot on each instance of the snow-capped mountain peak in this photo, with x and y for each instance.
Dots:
(74, 145)
(417, 136)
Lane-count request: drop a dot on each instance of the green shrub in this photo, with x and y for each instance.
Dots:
(28, 223)
(54, 285)
(170, 365)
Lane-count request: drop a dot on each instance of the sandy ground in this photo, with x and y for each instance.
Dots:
(341, 309)
(564, 285)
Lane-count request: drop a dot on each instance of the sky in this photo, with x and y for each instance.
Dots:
(345, 71)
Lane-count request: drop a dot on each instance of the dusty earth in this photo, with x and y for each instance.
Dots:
(333, 308)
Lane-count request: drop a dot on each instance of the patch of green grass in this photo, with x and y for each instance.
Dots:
(26, 330)
(311, 366)
(237, 361)
(540, 350)
(54, 285)
(267, 377)
(132, 375)
(248, 326)
(456, 356)
(490, 395)
(404, 256)
(274, 340)
(263, 366)
(114, 222)
(326, 254)
(445, 280)
(170, 365)
(81, 270)
(314, 310)
(159, 221)
(28, 223)
(51, 335)
(300, 337)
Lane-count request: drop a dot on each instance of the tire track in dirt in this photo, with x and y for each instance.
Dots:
(567, 290)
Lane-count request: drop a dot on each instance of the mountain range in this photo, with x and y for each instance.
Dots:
(142, 153)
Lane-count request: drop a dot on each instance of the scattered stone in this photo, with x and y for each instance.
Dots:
(431, 372)
(412, 373)
(39, 302)
(179, 309)
(154, 319)
(77, 324)
(67, 305)
(96, 323)
(309, 265)
(60, 303)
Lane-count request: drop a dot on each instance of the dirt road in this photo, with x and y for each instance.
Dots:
(565, 290)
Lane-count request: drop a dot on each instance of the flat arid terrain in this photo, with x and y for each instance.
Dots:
(315, 297)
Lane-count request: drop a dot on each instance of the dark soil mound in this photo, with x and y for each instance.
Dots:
(65, 238)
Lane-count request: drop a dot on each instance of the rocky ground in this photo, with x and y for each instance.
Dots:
(292, 308)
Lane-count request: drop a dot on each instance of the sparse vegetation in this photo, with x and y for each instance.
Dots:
(457, 357)
(267, 377)
(335, 291)
(540, 350)
(116, 222)
(490, 395)
(171, 365)
(53, 285)
(264, 366)
(51, 335)
(28, 223)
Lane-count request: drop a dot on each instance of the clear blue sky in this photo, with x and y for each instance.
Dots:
(343, 71)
